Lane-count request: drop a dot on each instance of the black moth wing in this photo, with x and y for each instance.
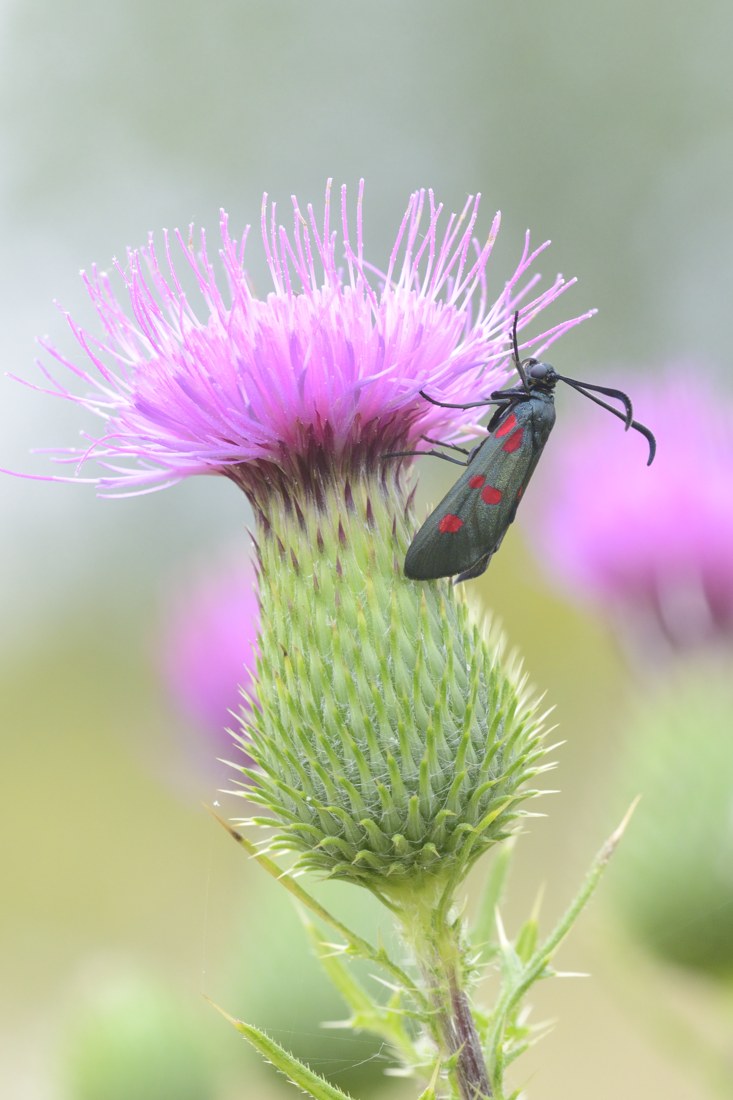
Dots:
(465, 530)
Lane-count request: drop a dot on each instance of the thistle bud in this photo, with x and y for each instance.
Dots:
(392, 735)
(675, 874)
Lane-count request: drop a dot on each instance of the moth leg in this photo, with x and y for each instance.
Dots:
(498, 414)
(479, 566)
(435, 454)
(475, 570)
(453, 446)
(466, 405)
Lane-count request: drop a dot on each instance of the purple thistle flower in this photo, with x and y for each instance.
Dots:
(655, 545)
(207, 650)
(326, 368)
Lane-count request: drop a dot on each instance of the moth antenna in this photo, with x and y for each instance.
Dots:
(641, 428)
(515, 345)
(650, 438)
(618, 394)
(581, 388)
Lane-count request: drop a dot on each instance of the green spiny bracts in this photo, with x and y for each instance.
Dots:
(390, 733)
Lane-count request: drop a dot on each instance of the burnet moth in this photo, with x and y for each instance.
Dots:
(466, 529)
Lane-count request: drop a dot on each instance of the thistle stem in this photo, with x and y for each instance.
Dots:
(473, 1080)
(436, 942)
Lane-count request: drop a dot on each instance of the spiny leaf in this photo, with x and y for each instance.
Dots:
(385, 1020)
(357, 944)
(312, 1084)
(518, 981)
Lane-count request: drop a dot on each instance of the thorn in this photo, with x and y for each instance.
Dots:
(535, 914)
(612, 843)
(501, 931)
(224, 824)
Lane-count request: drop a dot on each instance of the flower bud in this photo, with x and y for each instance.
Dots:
(674, 872)
(391, 732)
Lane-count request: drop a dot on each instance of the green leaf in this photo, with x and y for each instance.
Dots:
(385, 1020)
(357, 946)
(429, 1093)
(526, 942)
(517, 982)
(312, 1084)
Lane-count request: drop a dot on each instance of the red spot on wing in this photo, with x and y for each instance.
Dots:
(449, 524)
(507, 426)
(514, 442)
(490, 495)
(520, 493)
(476, 481)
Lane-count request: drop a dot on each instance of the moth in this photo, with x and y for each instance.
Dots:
(460, 537)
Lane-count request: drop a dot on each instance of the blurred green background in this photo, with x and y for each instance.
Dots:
(607, 127)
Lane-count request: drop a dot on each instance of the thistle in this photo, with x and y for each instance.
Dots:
(392, 739)
(655, 552)
(674, 884)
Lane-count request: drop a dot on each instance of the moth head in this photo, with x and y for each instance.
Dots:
(539, 374)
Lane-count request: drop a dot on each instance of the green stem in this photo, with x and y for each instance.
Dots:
(436, 942)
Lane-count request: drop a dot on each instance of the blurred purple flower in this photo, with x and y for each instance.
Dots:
(654, 545)
(208, 650)
(329, 363)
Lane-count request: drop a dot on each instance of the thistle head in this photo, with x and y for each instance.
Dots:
(652, 546)
(322, 375)
(392, 738)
